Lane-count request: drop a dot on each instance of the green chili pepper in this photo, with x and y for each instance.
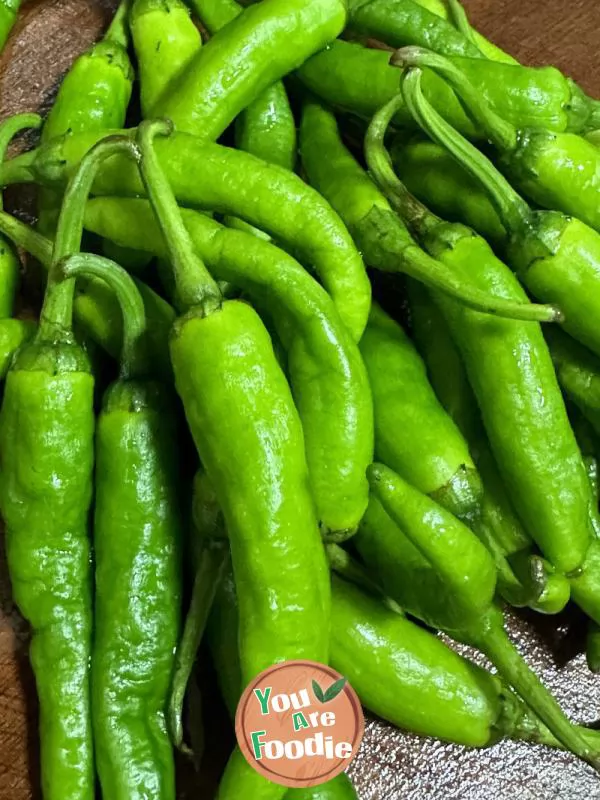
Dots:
(250, 54)
(556, 170)
(225, 370)
(354, 78)
(431, 452)
(327, 376)
(403, 22)
(239, 408)
(443, 9)
(578, 372)
(439, 571)
(165, 41)
(137, 529)
(402, 673)
(266, 128)
(46, 437)
(556, 257)
(9, 10)
(94, 306)
(587, 440)
(93, 96)
(235, 183)
(523, 577)
(436, 179)
(548, 487)
(379, 234)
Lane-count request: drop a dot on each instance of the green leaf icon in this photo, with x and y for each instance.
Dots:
(334, 689)
(318, 692)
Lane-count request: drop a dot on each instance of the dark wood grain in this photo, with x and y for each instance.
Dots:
(50, 34)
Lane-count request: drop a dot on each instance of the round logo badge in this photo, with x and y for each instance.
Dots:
(299, 724)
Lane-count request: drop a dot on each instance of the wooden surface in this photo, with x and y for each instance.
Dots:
(391, 765)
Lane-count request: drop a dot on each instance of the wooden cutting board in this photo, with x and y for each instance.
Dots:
(391, 765)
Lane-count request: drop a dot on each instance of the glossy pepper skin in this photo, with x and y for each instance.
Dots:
(137, 532)
(403, 673)
(380, 234)
(233, 355)
(413, 433)
(436, 179)
(266, 127)
(360, 80)
(46, 431)
(438, 570)
(264, 43)
(93, 96)
(165, 41)
(326, 372)
(239, 184)
(523, 577)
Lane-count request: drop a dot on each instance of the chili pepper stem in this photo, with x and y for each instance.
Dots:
(501, 133)
(23, 236)
(212, 564)
(18, 169)
(494, 642)
(118, 30)
(513, 210)
(133, 357)
(194, 285)
(57, 310)
(422, 220)
(458, 17)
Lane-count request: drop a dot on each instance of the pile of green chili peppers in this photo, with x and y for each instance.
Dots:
(221, 437)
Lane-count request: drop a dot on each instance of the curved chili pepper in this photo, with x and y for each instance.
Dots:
(438, 570)
(401, 672)
(93, 96)
(592, 647)
(232, 354)
(266, 127)
(379, 233)
(135, 631)
(235, 183)
(557, 257)
(404, 22)
(436, 179)
(557, 518)
(523, 577)
(264, 43)
(225, 370)
(327, 376)
(8, 16)
(46, 437)
(556, 170)
(431, 452)
(165, 41)
(360, 80)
